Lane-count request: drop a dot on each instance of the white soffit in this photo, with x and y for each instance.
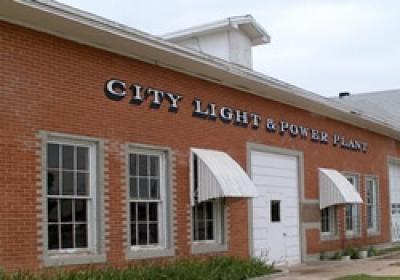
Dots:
(219, 175)
(335, 189)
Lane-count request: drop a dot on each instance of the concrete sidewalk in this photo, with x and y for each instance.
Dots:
(379, 266)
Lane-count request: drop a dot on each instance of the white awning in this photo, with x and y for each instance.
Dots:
(335, 189)
(221, 176)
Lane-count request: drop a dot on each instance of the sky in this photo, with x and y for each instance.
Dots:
(324, 46)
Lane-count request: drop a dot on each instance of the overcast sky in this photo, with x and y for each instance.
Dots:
(319, 45)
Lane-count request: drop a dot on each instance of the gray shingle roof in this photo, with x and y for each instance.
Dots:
(380, 105)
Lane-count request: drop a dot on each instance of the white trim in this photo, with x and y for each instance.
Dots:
(162, 207)
(95, 251)
(299, 157)
(250, 146)
(218, 230)
(375, 190)
(332, 233)
(92, 222)
(220, 226)
(259, 36)
(90, 198)
(391, 161)
(220, 242)
(167, 250)
(356, 223)
(191, 180)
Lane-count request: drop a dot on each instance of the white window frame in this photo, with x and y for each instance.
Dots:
(356, 219)
(162, 210)
(91, 200)
(219, 242)
(165, 247)
(331, 222)
(374, 204)
(95, 251)
(217, 205)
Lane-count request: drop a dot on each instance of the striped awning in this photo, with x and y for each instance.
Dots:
(335, 189)
(219, 175)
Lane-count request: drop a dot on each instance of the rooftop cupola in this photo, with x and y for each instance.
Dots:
(231, 39)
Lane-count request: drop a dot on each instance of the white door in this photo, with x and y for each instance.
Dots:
(275, 211)
(394, 185)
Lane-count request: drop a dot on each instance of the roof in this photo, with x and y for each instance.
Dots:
(72, 24)
(381, 105)
(246, 24)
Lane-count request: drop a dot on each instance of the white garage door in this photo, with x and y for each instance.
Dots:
(394, 184)
(276, 210)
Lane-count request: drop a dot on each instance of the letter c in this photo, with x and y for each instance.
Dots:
(115, 89)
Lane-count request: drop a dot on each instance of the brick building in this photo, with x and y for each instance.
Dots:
(118, 146)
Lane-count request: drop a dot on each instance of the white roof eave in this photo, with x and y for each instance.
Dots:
(251, 28)
(72, 24)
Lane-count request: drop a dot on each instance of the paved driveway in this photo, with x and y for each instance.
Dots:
(382, 266)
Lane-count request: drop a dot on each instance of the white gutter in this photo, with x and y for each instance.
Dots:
(72, 24)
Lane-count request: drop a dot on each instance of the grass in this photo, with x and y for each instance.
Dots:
(366, 277)
(217, 268)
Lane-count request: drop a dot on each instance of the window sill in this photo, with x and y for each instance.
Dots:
(147, 253)
(351, 235)
(328, 237)
(73, 259)
(373, 233)
(204, 248)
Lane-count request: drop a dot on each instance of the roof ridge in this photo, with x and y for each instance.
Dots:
(362, 94)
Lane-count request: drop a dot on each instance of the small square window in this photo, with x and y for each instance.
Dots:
(275, 210)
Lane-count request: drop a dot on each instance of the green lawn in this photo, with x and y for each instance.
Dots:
(366, 277)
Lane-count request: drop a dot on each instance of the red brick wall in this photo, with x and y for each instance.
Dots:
(51, 84)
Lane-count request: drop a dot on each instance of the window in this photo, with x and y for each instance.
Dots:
(204, 221)
(395, 208)
(207, 216)
(150, 218)
(147, 199)
(71, 199)
(275, 210)
(372, 203)
(328, 221)
(72, 193)
(352, 211)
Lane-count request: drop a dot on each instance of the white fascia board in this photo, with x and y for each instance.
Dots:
(190, 32)
(257, 35)
(63, 21)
